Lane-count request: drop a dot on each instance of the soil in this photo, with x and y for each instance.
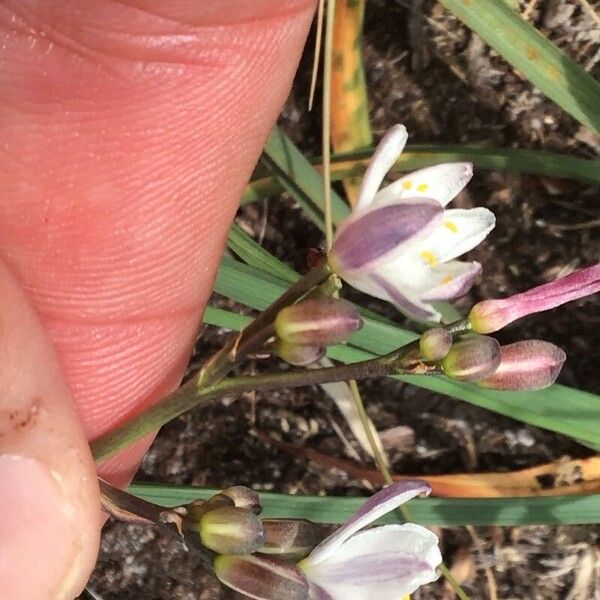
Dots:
(446, 86)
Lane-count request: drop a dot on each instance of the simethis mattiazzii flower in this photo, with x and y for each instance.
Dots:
(400, 243)
(382, 563)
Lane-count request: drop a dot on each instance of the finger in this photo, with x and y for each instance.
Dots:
(49, 501)
(129, 130)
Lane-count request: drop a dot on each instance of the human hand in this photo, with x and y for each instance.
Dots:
(128, 131)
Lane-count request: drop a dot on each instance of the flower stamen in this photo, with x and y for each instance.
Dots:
(429, 257)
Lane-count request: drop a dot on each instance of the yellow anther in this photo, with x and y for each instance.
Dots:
(429, 257)
(447, 279)
(451, 226)
(407, 184)
(422, 187)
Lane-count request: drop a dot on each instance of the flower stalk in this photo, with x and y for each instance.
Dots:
(191, 394)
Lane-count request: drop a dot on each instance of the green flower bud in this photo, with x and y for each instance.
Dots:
(231, 530)
(298, 355)
(472, 358)
(317, 321)
(435, 344)
(244, 497)
(292, 539)
(262, 577)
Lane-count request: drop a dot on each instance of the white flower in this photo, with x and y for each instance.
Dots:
(386, 562)
(400, 243)
(382, 563)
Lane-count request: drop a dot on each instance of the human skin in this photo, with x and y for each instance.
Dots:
(128, 130)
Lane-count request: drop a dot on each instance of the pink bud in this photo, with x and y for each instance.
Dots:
(317, 322)
(527, 365)
(491, 315)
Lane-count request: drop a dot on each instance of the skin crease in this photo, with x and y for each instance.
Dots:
(128, 131)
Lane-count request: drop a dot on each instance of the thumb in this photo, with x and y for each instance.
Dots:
(49, 502)
(128, 132)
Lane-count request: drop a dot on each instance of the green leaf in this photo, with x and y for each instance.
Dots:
(251, 253)
(417, 156)
(431, 511)
(536, 57)
(299, 178)
(562, 409)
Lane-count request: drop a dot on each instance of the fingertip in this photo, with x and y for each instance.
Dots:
(49, 498)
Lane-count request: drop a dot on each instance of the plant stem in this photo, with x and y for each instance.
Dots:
(129, 508)
(326, 141)
(191, 394)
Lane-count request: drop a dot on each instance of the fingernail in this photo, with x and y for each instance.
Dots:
(35, 517)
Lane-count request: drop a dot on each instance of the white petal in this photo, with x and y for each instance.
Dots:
(459, 231)
(384, 563)
(440, 182)
(450, 280)
(385, 155)
(375, 507)
(388, 287)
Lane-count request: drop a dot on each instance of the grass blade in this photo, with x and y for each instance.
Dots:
(536, 57)
(350, 126)
(300, 179)
(256, 256)
(534, 162)
(564, 510)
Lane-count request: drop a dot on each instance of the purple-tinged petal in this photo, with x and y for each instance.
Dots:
(261, 577)
(451, 280)
(374, 234)
(441, 182)
(526, 365)
(407, 303)
(387, 152)
(491, 315)
(385, 563)
(375, 507)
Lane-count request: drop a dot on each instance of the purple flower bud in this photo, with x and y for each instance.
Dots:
(435, 344)
(472, 358)
(293, 539)
(491, 315)
(527, 365)
(317, 322)
(262, 577)
(231, 530)
(298, 355)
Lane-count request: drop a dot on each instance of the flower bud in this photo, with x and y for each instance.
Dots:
(231, 530)
(244, 497)
(290, 538)
(262, 577)
(527, 365)
(435, 344)
(298, 355)
(317, 321)
(472, 358)
(198, 507)
(491, 315)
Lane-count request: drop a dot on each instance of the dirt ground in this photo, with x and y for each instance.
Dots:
(447, 87)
